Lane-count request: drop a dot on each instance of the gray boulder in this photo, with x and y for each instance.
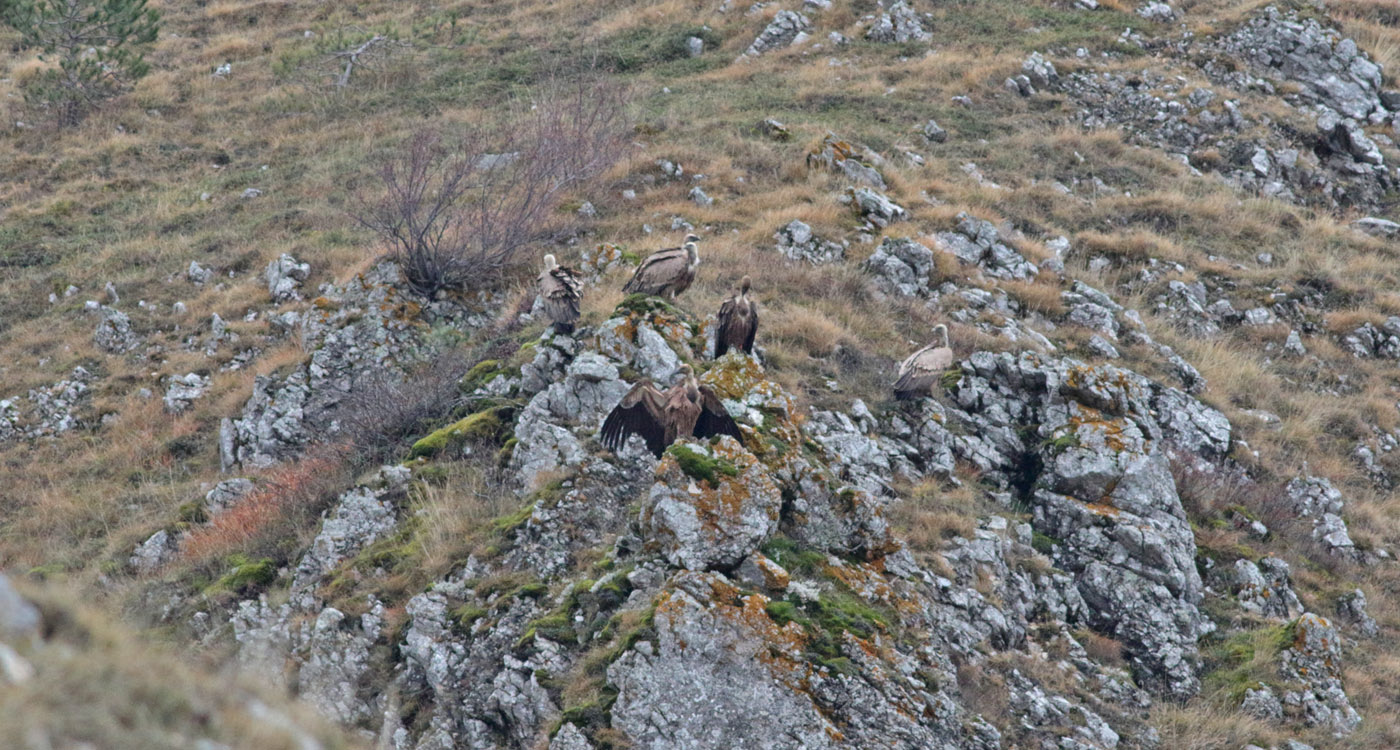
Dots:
(899, 24)
(715, 522)
(796, 241)
(901, 266)
(183, 390)
(114, 334)
(284, 277)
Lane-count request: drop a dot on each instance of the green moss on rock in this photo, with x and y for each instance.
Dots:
(699, 466)
(245, 576)
(484, 426)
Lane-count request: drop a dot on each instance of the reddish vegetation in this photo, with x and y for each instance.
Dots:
(284, 495)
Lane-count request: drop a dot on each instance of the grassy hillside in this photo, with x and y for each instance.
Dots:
(157, 180)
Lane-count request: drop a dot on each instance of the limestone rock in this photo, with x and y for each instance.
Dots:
(712, 522)
(784, 30)
(284, 277)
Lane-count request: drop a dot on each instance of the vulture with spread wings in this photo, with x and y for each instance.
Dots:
(685, 409)
(738, 322)
(666, 272)
(923, 369)
(560, 289)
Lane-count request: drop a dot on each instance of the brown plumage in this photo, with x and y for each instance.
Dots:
(738, 322)
(666, 272)
(924, 368)
(560, 289)
(685, 409)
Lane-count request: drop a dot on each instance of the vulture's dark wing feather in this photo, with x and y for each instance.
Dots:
(915, 384)
(753, 327)
(726, 313)
(638, 413)
(714, 419)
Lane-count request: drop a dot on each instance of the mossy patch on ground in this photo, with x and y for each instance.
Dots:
(699, 466)
(244, 576)
(489, 425)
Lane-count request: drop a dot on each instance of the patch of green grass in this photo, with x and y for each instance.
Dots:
(699, 466)
(1043, 543)
(245, 576)
(642, 47)
(481, 374)
(489, 425)
(794, 558)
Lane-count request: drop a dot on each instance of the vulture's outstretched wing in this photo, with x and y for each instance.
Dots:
(714, 419)
(561, 291)
(922, 371)
(638, 413)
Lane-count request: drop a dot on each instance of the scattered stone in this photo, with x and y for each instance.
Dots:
(1377, 227)
(933, 133)
(695, 46)
(114, 334)
(699, 197)
(182, 390)
(153, 553)
(796, 241)
(876, 207)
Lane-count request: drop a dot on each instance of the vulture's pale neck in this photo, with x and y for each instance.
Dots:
(694, 253)
(550, 263)
(941, 333)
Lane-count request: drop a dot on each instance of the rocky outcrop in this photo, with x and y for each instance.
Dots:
(284, 278)
(1332, 70)
(1313, 660)
(1315, 498)
(358, 333)
(183, 390)
(114, 334)
(977, 242)
(899, 24)
(901, 266)
(711, 507)
(787, 28)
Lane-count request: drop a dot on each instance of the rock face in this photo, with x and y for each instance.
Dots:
(1333, 71)
(1102, 486)
(716, 520)
(1314, 660)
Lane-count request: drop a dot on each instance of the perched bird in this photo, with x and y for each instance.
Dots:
(560, 289)
(924, 368)
(685, 409)
(738, 322)
(666, 272)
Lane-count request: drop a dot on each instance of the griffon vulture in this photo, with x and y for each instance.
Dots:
(738, 322)
(685, 409)
(666, 272)
(924, 368)
(560, 289)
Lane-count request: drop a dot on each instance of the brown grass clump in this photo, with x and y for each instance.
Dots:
(287, 499)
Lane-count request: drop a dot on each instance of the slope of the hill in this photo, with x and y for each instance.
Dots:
(1150, 506)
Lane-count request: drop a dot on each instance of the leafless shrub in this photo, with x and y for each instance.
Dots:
(457, 211)
(391, 408)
